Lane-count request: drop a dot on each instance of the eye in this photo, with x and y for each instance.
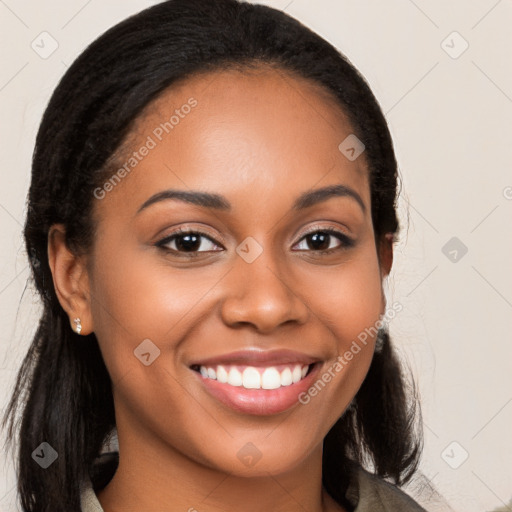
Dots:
(320, 240)
(188, 242)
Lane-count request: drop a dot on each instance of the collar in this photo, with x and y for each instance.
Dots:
(366, 492)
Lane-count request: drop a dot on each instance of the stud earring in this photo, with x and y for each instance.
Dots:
(78, 325)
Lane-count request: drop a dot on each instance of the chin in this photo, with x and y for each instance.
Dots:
(250, 462)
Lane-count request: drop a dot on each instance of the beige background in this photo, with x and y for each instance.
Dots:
(450, 114)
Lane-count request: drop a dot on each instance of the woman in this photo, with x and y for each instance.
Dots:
(210, 221)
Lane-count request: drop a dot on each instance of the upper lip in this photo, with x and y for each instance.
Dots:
(258, 358)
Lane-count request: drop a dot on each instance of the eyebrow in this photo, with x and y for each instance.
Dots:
(218, 202)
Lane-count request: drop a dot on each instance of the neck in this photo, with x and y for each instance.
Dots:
(155, 476)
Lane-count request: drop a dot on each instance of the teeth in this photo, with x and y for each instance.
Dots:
(251, 378)
(286, 377)
(222, 374)
(255, 378)
(271, 379)
(234, 377)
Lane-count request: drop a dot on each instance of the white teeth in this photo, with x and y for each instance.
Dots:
(255, 378)
(286, 377)
(222, 374)
(234, 377)
(270, 379)
(251, 378)
(296, 374)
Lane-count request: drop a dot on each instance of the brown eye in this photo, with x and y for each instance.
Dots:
(187, 241)
(321, 240)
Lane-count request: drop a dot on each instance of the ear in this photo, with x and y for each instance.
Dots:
(385, 261)
(70, 278)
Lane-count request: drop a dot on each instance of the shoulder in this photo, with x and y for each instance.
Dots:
(103, 469)
(88, 499)
(370, 493)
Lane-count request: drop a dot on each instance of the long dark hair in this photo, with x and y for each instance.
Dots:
(63, 391)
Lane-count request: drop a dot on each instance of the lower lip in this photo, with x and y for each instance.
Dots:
(259, 401)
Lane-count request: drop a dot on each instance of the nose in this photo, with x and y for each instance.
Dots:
(261, 295)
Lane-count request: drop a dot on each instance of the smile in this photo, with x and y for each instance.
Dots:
(251, 377)
(257, 390)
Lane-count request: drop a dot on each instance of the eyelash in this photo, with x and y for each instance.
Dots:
(346, 242)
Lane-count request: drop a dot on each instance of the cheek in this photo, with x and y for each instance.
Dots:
(348, 298)
(350, 309)
(137, 295)
(346, 302)
(135, 300)
(359, 301)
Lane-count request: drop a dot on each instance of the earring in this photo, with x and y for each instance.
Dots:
(78, 325)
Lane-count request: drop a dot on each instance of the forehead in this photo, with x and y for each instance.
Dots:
(260, 131)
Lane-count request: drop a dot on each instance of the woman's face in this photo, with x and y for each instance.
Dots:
(258, 276)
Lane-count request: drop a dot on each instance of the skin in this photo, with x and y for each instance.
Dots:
(260, 138)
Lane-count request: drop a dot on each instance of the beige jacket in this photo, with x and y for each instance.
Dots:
(366, 492)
